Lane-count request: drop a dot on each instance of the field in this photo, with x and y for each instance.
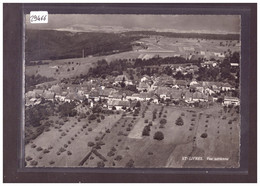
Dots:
(118, 140)
(174, 46)
(165, 47)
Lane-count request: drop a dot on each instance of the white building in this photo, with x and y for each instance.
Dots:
(231, 101)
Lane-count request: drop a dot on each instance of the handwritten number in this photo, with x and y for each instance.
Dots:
(35, 18)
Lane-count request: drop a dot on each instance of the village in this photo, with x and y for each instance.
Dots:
(143, 108)
(159, 90)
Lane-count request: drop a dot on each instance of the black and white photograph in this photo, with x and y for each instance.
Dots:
(132, 91)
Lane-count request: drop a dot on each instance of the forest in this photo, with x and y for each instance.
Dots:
(51, 44)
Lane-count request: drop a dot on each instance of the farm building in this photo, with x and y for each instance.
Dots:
(231, 101)
(195, 97)
(118, 104)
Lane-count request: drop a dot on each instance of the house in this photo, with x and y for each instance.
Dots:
(115, 96)
(189, 97)
(86, 90)
(48, 95)
(81, 93)
(175, 95)
(169, 82)
(56, 89)
(165, 80)
(181, 83)
(179, 69)
(195, 97)
(191, 69)
(202, 52)
(198, 97)
(30, 94)
(94, 95)
(122, 78)
(163, 92)
(216, 86)
(118, 104)
(209, 64)
(61, 96)
(32, 101)
(155, 85)
(214, 99)
(143, 86)
(69, 97)
(79, 97)
(219, 55)
(226, 87)
(136, 97)
(193, 82)
(231, 101)
(155, 99)
(146, 96)
(38, 92)
(197, 87)
(146, 79)
(209, 91)
(104, 93)
(234, 64)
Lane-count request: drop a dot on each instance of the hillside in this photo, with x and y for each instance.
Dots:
(187, 35)
(51, 44)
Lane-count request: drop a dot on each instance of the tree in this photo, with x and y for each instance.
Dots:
(67, 109)
(179, 121)
(138, 104)
(163, 121)
(146, 131)
(92, 117)
(158, 136)
(204, 135)
(235, 58)
(96, 109)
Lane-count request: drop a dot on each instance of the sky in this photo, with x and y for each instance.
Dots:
(119, 22)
